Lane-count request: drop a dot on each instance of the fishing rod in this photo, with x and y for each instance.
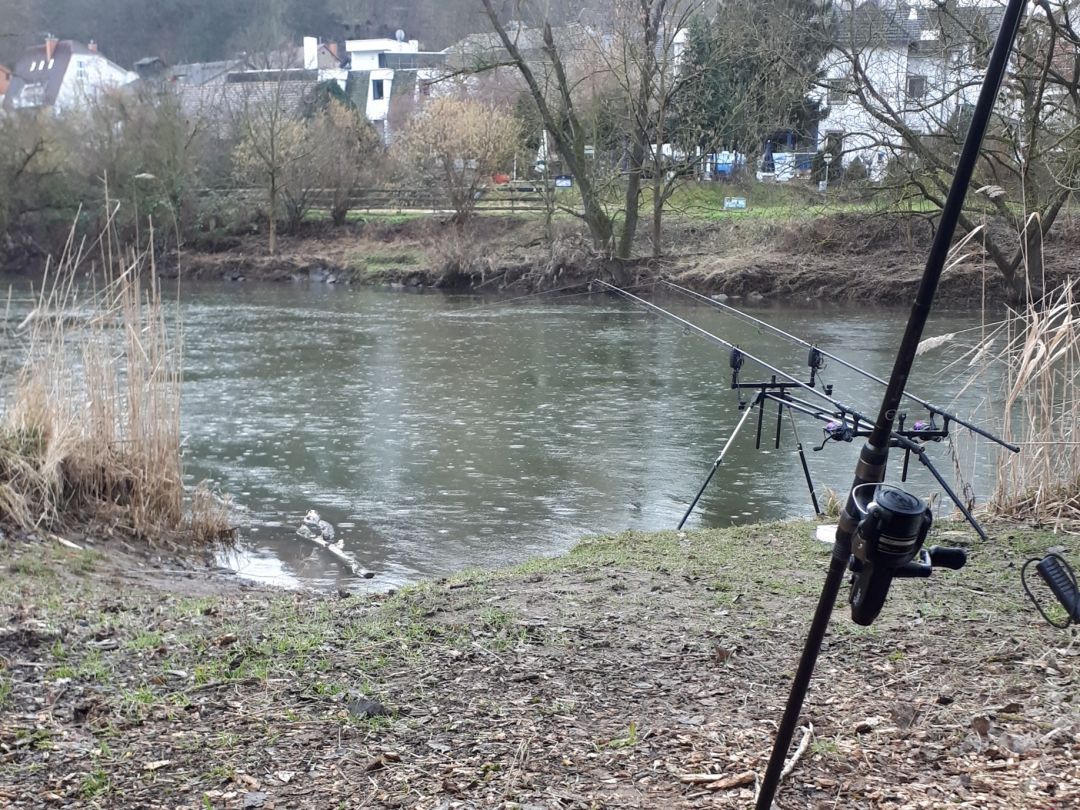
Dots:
(861, 425)
(776, 330)
(741, 353)
(882, 528)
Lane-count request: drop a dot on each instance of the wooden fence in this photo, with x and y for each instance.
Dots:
(516, 198)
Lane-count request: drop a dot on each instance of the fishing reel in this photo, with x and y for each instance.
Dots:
(837, 431)
(888, 543)
(815, 360)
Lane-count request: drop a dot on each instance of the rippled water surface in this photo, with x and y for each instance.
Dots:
(440, 432)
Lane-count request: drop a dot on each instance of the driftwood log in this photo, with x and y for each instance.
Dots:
(336, 551)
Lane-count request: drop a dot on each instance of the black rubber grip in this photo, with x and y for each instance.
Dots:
(944, 557)
(1051, 570)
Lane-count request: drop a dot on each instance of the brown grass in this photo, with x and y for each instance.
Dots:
(1036, 352)
(92, 428)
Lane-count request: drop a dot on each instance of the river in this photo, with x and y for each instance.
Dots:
(439, 432)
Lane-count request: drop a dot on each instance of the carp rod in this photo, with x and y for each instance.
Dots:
(792, 381)
(862, 425)
(776, 330)
(882, 528)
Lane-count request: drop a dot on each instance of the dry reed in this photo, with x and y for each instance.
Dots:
(1036, 354)
(91, 430)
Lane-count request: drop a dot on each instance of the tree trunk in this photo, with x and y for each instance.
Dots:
(633, 198)
(599, 224)
(273, 216)
(657, 215)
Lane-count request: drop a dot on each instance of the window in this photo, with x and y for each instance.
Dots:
(33, 95)
(377, 89)
(839, 91)
(916, 87)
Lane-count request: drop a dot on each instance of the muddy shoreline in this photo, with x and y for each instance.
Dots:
(616, 676)
(838, 259)
(841, 258)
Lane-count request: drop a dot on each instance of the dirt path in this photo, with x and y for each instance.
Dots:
(614, 677)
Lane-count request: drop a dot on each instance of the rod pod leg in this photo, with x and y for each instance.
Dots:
(805, 466)
(720, 458)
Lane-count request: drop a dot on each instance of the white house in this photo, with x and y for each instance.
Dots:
(912, 63)
(363, 54)
(382, 70)
(62, 75)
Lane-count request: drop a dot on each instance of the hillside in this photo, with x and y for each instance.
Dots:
(201, 30)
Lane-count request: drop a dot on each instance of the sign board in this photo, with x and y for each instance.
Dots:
(564, 181)
(734, 203)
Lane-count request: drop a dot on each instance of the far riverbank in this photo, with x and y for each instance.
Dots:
(843, 257)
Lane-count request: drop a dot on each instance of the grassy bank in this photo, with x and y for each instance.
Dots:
(603, 678)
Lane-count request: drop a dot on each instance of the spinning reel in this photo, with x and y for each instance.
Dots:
(887, 543)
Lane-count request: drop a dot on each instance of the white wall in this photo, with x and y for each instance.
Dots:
(949, 85)
(365, 52)
(379, 109)
(88, 75)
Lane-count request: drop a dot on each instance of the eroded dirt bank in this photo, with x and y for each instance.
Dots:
(843, 257)
(627, 674)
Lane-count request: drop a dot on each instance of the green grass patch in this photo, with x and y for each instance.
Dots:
(31, 566)
(146, 640)
(95, 784)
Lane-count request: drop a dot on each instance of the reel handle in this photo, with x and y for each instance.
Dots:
(930, 558)
(945, 557)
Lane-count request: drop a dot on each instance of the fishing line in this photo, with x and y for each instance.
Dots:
(528, 297)
(794, 381)
(747, 317)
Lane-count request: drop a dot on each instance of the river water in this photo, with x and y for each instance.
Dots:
(439, 432)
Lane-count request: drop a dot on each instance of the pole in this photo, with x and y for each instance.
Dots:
(805, 466)
(875, 453)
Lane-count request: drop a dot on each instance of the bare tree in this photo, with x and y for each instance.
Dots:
(342, 149)
(455, 145)
(348, 152)
(35, 167)
(555, 95)
(272, 140)
(910, 101)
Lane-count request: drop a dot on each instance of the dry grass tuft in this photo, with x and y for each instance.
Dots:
(91, 430)
(209, 519)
